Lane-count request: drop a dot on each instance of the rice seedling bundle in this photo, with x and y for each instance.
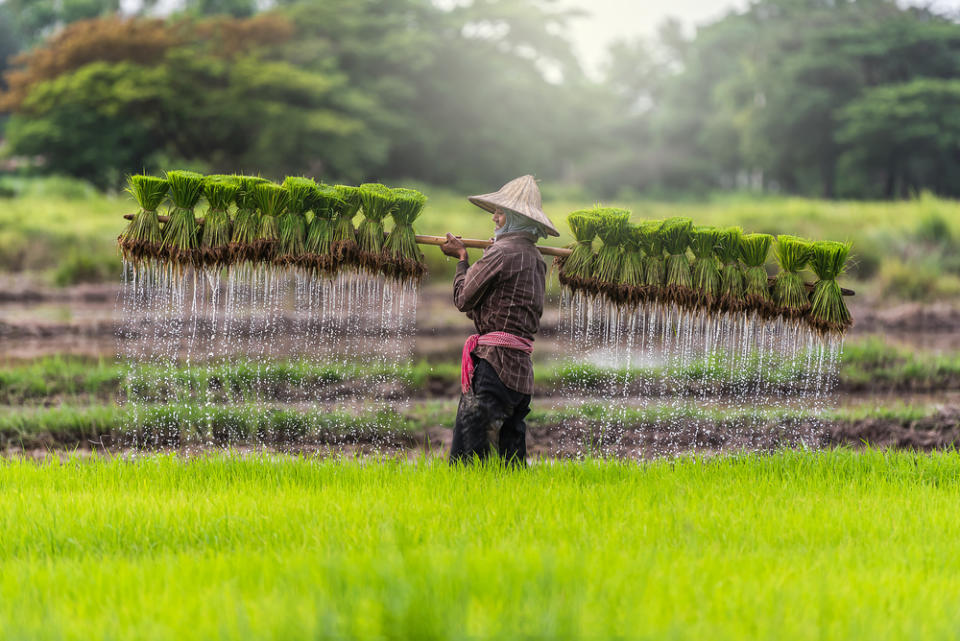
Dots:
(215, 241)
(180, 238)
(631, 274)
(343, 241)
(142, 238)
(705, 270)
(576, 270)
(608, 264)
(272, 201)
(378, 201)
(246, 221)
(317, 247)
(675, 236)
(732, 282)
(753, 252)
(789, 290)
(405, 260)
(292, 223)
(653, 266)
(828, 312)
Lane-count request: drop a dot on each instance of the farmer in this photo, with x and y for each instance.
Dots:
(502, 293)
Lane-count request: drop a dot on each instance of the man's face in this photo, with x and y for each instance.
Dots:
(499, 218)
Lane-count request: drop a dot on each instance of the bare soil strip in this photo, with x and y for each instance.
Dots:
(569, 439)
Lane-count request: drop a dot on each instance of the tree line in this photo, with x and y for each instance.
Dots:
(829, 98)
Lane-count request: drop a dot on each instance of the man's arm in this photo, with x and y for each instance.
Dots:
(472, 281)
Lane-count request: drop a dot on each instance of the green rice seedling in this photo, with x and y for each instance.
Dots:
(405, 257)
(608, 264)
(653, 267)
(576, 270)
(378, 201)
(317, 247)
(180, 236)
(631, 274)
(789, 290)
(732, 282)
(230, 178)
(753, 252)
(343, 239)
(246, 221)
(675, 236)
(142, 238)
(828, 311)
(293, 221)
(272, 201)
(705, 270)
(215, 244)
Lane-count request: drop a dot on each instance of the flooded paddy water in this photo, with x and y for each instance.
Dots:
(280, 359)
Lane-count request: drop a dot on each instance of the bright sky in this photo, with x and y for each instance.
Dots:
(614, 19)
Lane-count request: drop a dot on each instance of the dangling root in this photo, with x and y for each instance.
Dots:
(241, 252)
(763, 307)
(136, 251)
(827, 327)
(403, 269)
(264, 250)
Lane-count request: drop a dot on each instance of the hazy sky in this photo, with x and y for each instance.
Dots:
(612, 19)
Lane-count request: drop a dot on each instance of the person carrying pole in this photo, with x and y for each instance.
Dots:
(502, 293)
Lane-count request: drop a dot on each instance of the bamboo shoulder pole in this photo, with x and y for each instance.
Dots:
(474, 243)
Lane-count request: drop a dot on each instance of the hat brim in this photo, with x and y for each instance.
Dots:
(490, 203)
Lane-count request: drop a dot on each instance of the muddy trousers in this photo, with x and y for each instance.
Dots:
(490, 419)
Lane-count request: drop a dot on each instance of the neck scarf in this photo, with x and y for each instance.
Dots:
(516, 222)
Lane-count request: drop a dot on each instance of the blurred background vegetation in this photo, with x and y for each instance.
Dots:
(821, 98)
(784, 116)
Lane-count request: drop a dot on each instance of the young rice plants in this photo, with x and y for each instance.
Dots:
(404, 258)
(753, 251)
(142, 239)
(180, 237)
(214, 248)
(246, 222)
(828, 311)
(789, 290)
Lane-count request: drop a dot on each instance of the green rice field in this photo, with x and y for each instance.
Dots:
(796, 545)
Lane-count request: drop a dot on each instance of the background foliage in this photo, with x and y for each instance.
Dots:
(810, 97)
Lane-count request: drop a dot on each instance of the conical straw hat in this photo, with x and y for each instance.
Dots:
(521, 196)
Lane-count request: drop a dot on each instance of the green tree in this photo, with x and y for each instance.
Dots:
(904, 138)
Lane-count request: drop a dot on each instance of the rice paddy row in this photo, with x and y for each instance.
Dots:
(867, 365)
(836, 545)
(183, 425)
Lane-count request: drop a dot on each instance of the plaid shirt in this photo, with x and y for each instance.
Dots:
(503, 292)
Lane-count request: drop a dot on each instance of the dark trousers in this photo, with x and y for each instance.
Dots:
(490, 417)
